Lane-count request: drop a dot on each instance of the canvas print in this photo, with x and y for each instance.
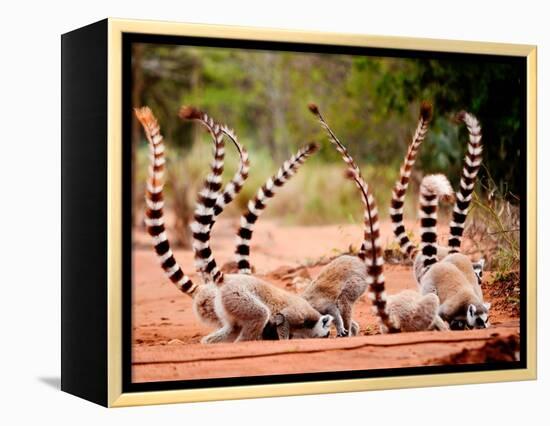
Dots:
(309, 211)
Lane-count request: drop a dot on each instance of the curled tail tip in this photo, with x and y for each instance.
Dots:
(444, 186)
(313, 108)
(468, 119)
(188, 112)
(426, 110)
(460, 116)
(439, 184)
(312, 147)
(465, 117)
(144, 114)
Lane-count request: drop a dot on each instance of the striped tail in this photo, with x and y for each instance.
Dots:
(257, 205)
(432, 189)
(231, 190)
(470, 168)
(371, 249)
(154, 217)
(207, 197)
(400, 187)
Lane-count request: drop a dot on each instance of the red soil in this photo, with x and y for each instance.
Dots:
(166, 335)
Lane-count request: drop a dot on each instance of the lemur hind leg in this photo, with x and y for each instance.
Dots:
(253, 321)
(346, 309)
(352, 290)
(253, 329)
(239, 306)
(338, 321)
(227, 333)
(354, 328)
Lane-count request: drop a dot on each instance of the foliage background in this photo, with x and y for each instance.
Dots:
(370, 102)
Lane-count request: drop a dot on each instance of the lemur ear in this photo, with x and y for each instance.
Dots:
(487, 305)
(327, 320)
(481, 262)
(470, 313)
(283, 326)
(279, 319)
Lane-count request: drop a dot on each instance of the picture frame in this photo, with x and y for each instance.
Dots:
(96, 352)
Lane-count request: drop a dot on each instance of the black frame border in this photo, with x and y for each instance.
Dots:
(127, 185)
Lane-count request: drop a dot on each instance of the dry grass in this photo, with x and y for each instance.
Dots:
(318, 194)
(493, 230)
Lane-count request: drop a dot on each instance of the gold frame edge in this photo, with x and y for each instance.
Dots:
(116, 27)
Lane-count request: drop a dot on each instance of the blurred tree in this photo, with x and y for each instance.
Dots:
(493, 91)
(372, 102)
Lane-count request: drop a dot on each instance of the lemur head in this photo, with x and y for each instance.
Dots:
(477, 316)
(313, 325)
(478, 269)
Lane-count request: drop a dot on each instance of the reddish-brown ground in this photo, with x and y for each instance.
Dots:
(166, 335)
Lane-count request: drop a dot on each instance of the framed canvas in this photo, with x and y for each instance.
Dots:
(376, 202)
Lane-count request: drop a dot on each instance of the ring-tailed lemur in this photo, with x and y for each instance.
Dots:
(470, 169)
(243, 304)
(409, 309)
(210, 195)
(432, 189)
(203, 296)
(461, 298)
(398, 192)
(461, 301)
(236, 184)
(453, 278)
(471, 165)
(345, 279)
(337, 285)
(257, 205)
(292, 317)
(340, 283)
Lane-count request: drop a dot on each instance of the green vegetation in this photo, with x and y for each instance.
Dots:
(371, 103)
(319, 193)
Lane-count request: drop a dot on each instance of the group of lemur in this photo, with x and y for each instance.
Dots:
(244, 307)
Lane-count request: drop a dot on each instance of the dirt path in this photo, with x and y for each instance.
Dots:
(166, 334)
(197, 361)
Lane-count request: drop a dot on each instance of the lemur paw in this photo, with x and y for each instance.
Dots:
(210, 339)
(342, 333)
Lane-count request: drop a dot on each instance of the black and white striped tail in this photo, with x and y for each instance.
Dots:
(207, 197)
(231, 190)
(400, 187)
(257, 205)
(470, 169)
(154, 217)
(432, 189)
(371, 250)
